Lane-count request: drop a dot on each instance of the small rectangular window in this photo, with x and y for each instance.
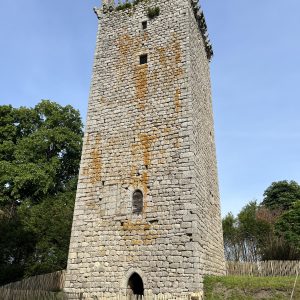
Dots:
(144, 24)
(143, 59)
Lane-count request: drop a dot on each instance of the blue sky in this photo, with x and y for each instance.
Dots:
(46, 52)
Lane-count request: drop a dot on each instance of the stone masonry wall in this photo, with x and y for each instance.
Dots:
(208, 214)
(148, 128)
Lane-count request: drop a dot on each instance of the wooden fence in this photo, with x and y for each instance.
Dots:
(41, 287)
(9, 294)
(263, 268)
(48, 282)
(105, 296)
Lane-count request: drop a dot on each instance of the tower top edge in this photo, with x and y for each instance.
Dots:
(129, 6)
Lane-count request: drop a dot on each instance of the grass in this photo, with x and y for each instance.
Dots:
(250, 288)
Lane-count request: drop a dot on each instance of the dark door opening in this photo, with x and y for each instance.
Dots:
(135, 284)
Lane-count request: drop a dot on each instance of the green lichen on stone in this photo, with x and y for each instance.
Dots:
(123, 6)
(153, 12)
(128, 4)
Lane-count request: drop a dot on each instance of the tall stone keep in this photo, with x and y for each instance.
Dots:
(147, 213)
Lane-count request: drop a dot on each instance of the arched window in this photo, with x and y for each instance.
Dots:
(137, 202)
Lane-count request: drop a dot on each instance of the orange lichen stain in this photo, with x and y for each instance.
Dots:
(133, 170)
(178, 72)
(96, 166)
(177, 100)
(112, 142)
(124, 43)
(167, 130)
(140, 228)
(134, 178)
(141, 84)
(162, 56)
(93, 170)
(145, 36)
(135, 226)
(137, 242)
(144, 182)
(148, 242)
(129, 258)
(134, 149)
(176, 50)
(146, 141)
(177, 143)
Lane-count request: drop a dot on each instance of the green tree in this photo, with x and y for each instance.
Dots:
(16, 245)
(50, 223)
(40, 151)
(278, 203)
(244, 235)
(281, 195)
(288, 226)
(231, 238)
(275, 246)
(253, 232)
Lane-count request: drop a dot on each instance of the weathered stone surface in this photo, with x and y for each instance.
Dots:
(149, 127)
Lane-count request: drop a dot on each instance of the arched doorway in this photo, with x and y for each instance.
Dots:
(135, 284)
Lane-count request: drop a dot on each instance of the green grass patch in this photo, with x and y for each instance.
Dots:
(250, 288)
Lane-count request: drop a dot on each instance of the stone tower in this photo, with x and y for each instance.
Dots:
(147, 213)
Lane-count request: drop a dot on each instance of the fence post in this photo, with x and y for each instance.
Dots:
(263, 268)
(294, 286)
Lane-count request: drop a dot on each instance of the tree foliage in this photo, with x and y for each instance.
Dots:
(269, 231)
(40, 151)
(281, 195)
(288, 225)
(231, 237)
(244, 235)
